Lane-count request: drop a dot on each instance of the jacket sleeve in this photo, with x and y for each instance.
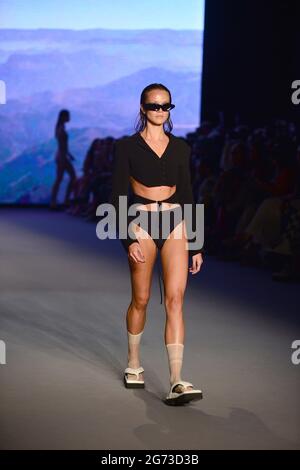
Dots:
(185, 191)
(120, 183)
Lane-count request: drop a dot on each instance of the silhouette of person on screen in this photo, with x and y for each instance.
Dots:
(63, 160)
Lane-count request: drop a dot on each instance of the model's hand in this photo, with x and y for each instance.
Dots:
(135, 253)
(197, 261)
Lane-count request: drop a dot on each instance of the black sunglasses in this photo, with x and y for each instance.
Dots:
(157, 107)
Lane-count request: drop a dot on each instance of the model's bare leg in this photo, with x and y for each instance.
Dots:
(72, 180)
(174, 257)
(55, 188)
(141, 279)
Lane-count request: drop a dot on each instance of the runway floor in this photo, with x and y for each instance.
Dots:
(64, 296)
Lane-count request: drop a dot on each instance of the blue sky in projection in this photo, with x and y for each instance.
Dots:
(86, 14)
(93, 57)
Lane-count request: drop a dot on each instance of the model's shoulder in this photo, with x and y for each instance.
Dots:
(181, 144)
(178, 139)
(121, 140)
(125, 140)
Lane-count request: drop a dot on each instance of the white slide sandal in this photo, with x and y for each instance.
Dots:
(180, 398)
(133, 383)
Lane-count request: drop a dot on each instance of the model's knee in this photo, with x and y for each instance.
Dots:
(174, 301)
(140, 301)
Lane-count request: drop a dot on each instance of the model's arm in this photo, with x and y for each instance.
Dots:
(185, 191)
(120, 182)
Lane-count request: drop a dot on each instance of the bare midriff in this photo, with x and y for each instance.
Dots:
(155, 193)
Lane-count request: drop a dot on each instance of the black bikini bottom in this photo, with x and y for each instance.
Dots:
(159, 223)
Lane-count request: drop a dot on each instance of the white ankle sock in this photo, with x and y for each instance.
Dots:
(133, 349)
(175, 356)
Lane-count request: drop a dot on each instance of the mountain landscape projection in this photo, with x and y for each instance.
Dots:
(98, 75)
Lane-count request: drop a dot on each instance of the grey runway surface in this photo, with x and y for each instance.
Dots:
(63, 302)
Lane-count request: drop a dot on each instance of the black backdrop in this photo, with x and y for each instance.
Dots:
(251, 58)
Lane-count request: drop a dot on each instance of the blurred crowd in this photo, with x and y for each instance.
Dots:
(248, 180)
